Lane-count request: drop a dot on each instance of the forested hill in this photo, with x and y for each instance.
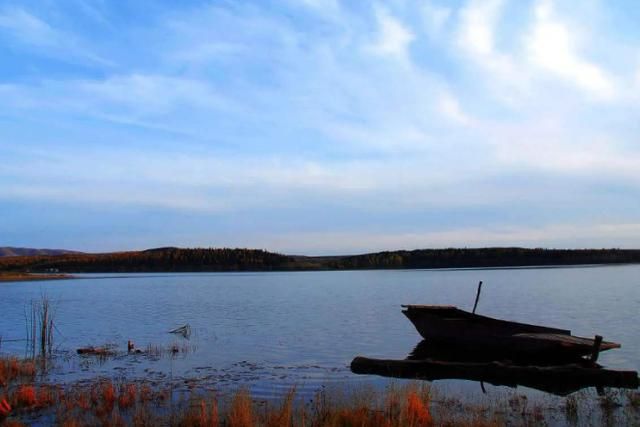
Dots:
(11, 251)
(198, 260)
(484, 257)
(153, 260)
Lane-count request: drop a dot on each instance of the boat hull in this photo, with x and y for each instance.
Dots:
(512, 340)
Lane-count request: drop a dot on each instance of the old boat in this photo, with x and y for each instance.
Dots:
(472, 332)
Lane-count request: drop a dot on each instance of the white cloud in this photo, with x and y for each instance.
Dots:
(476, 37)
(28, 29)
(551, 236)
(151, 94)
(435, 18)
(393, 37)
(450, 108)
(479, 19)
(552, 47)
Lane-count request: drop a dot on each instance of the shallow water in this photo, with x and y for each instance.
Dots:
(270, 331)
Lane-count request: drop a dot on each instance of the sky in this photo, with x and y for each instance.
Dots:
(319, 126)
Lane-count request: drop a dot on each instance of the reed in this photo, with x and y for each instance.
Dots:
(25, 396)
(241, 413)
(283, 415)
(633, 400)
(12, 368)
(39, 323)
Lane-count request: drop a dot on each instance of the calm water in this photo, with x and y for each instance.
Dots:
(272, 330)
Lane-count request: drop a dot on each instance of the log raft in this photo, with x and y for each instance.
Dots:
(560, 379)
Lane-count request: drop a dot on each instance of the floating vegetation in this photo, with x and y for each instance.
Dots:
(103, 351)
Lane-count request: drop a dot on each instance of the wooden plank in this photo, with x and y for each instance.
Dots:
(596, 348)
(570, 340)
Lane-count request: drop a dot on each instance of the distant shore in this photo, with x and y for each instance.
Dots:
(30, 277)
(177, 260)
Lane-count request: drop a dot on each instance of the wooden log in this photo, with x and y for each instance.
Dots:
(95, 351)
(561, 379)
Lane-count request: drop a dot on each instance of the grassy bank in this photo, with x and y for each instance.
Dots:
(24, 399)
(28, 277)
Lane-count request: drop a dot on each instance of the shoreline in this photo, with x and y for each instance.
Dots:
(32, 277)
(26, 397)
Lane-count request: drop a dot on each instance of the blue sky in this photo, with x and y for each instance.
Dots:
(319, 126)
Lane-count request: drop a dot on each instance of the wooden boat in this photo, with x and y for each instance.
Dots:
(467, 331)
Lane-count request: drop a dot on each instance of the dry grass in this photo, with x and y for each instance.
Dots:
(12, 369)
(103, 402)
(241, 413)
(26, 277)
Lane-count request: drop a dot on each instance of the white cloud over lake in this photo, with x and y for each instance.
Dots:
(336, 126)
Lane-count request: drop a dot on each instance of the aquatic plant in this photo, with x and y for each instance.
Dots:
(39, 323)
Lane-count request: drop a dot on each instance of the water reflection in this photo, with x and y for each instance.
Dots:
(302, 328)
(444, 362)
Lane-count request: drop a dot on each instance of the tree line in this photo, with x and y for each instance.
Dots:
(226, 259)
(484, 257)
(153, 260)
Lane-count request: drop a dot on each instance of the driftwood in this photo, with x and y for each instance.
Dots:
(96, 351)
(561, 379)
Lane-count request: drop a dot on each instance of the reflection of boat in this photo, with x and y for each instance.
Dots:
(560, 379)
(452, 353)
(511, 340)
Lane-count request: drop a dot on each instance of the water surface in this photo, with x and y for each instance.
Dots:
(272, 330)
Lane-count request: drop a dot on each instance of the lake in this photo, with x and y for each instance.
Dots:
(269, 331)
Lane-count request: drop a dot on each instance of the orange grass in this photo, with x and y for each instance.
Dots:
(127, 396)
(282, 417)
(417, 411)
(12, 369)
(241, 413)
(201, 414)
(25, 396)
(108, 394)
(5, 408)
(104, 403)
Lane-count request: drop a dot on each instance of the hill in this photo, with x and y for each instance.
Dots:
(11, 251)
